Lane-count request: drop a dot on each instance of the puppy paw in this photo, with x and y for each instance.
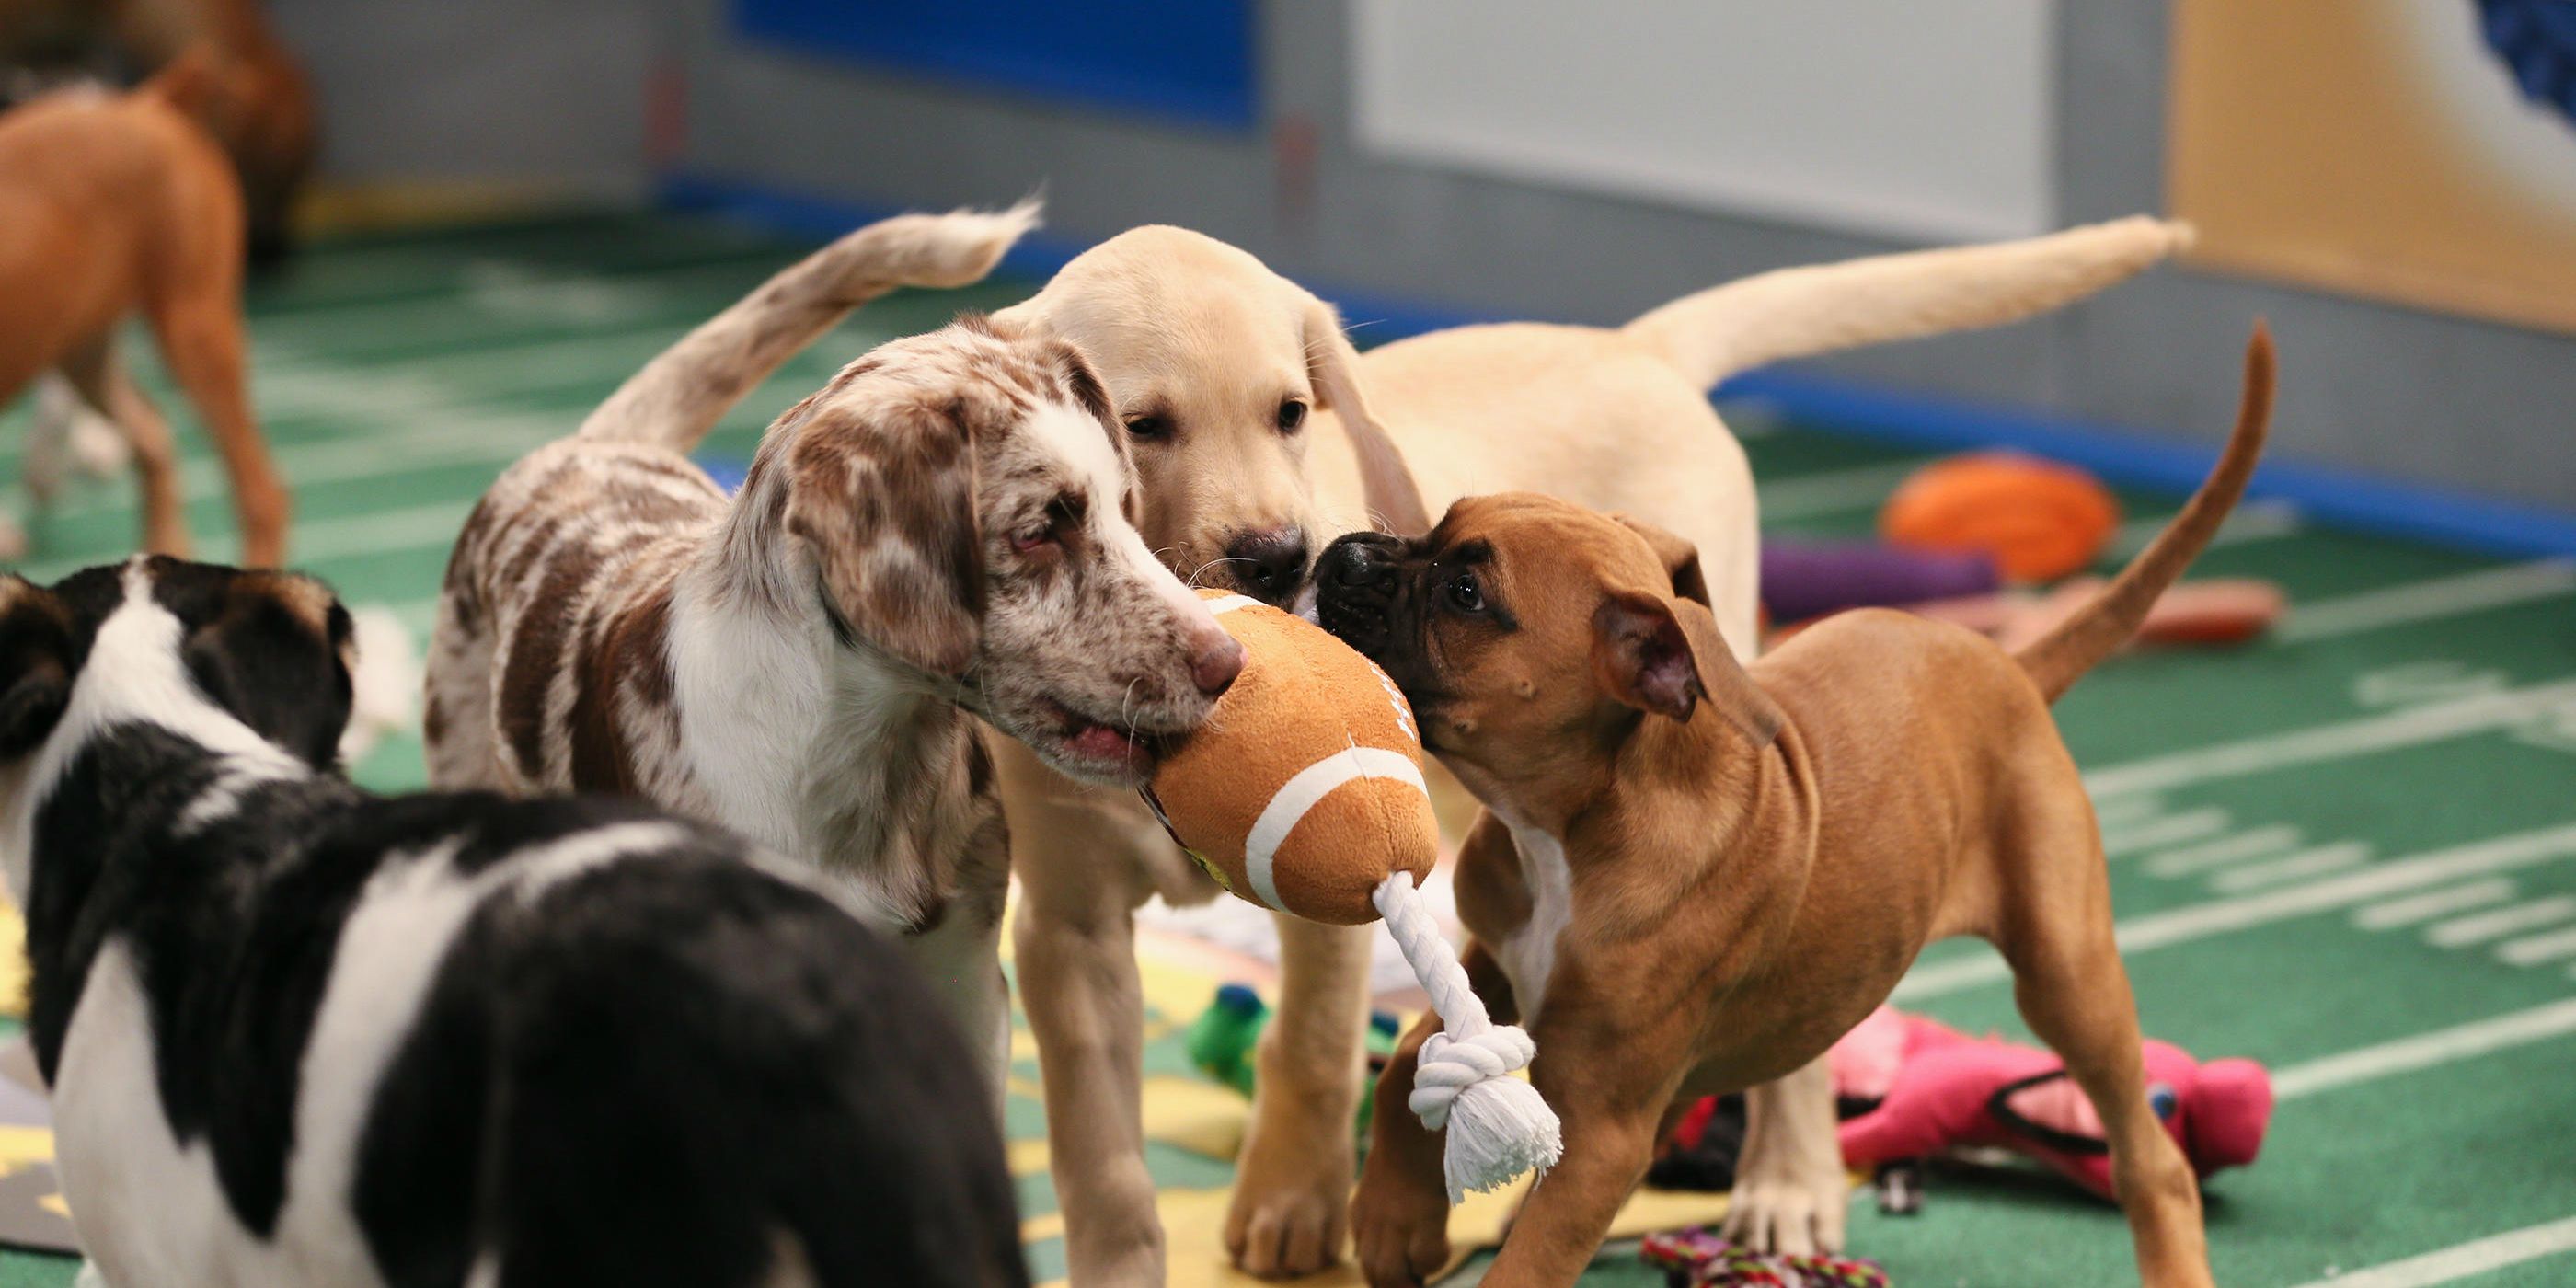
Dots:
(1401, 1234)
(1286, 1217)
(1788, 1215)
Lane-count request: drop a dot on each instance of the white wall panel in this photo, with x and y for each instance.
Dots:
(1925, 121)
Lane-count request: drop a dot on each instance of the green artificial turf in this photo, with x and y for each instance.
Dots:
(395, 377)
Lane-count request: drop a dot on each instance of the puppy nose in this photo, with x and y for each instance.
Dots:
(1350, 565)
(1268, 565)
(1216, 665)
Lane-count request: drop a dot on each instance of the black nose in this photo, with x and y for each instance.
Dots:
(1269, 565)
(1353, 565)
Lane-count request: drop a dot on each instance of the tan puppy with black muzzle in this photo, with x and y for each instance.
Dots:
(1694, 875)
(1258, 434)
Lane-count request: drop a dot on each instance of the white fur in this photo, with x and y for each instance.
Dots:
(1076, 438)
(754, 695)
(133, 676)
(1528, 954)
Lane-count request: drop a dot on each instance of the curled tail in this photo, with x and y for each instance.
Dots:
(2061, 657)
(1820, 308)
(685, 389)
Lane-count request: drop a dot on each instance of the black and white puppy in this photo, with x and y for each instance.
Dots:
(302, 1035)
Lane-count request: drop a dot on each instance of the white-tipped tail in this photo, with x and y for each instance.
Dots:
(1820, 308)
(685, 389)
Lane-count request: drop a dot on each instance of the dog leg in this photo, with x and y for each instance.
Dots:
(1294, 1177)
(1791, 1193)
(1077, 975)
(962, 959)
(203, 344)
(2071, 986)
(1400, 1213)
(1609, 1098)
(97, 377)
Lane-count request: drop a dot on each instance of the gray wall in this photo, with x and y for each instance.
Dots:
(546, 93)
(2393, 391)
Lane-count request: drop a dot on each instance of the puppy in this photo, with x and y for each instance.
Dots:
(264, 118)
(299, 1036)
(1259, 433)
(1694, 876)
(118, 205)
(939, 533)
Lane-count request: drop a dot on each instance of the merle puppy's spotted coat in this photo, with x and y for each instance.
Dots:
(301, 1035)
(943, 529)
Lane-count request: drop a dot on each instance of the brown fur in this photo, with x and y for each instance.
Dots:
(935, 535)
(117, 206)
(1205, 347)
(1754, 855)
(252, 93)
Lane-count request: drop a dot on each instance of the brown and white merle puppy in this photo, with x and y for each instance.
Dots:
(941, 530)
(300, 1036)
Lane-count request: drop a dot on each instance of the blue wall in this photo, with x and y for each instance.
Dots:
(1186, 60)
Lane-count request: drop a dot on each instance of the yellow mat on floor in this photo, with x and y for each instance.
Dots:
(1199, 1116)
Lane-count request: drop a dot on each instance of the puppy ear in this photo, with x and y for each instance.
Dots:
(884, 498)
(278, 653)
(1680, 559)
(36, 665)
(1663, 656)
(1332, 366)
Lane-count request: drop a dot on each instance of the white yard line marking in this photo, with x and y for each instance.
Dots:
(2411, 727)
(2125, 811)
(2455, 1263)
(312, 541)
(451, 437)
(2426, 601)
(2262, 842)
(2173, 829)
(2424, 907)
(2479, 927)
(2308, 863)
(2425, 1050)
(2221, 916)
(2535, 950)
(2253, 521)
(1808, 496)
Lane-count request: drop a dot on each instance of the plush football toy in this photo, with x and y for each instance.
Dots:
(1303, 793)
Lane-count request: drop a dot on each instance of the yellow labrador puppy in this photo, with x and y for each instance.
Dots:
(1260, 435)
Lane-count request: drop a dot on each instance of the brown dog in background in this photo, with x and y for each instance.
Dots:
(265, 117)
(121, 204)
(1679, 907)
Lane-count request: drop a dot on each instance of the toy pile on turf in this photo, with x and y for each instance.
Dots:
(1970, 538)
(1694, 1258)
(1912, 1089)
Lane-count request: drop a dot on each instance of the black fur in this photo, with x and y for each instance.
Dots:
(646, 1074)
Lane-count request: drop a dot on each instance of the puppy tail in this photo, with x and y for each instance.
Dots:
(685, 389)
(2061, 657)
(1821, 308)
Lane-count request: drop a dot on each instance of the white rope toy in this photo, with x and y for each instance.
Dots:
(1499, 1127)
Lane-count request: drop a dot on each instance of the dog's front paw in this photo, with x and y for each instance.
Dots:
(1291, 1186)
(1789, 1214)
(1400, 1230)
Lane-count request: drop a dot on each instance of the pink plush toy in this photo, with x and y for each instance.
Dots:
(1939, 1089)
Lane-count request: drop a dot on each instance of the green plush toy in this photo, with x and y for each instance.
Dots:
(1222, 1040)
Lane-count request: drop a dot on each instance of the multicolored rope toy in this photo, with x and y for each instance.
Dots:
(1695, 1258)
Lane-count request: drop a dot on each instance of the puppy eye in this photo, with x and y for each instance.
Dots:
(1149, 428)
(1292, 416)
(1465, 595)
(1063, 515)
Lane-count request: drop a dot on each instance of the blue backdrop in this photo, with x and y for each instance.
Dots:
(1188, 60)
